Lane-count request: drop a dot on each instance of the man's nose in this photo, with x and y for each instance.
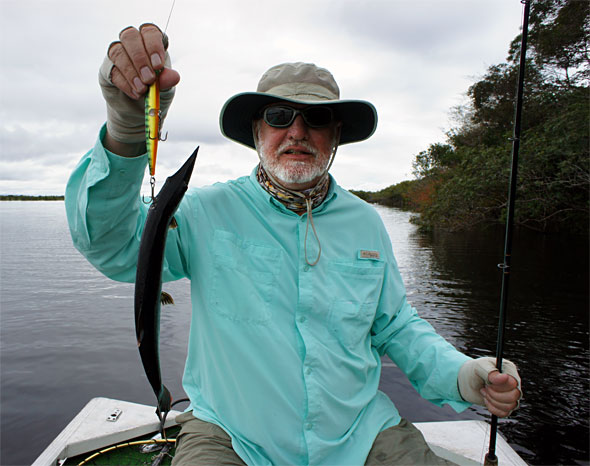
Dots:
(298, 128)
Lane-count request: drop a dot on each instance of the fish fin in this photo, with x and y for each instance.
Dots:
(166, 298)
(173, 224)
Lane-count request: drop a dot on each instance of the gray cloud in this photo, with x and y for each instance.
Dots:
(413, 59)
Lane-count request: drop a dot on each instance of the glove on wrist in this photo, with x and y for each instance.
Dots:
(473, 376)
(125, 116)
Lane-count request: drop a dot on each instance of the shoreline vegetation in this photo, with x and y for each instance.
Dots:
(26, 197)
(462, 183)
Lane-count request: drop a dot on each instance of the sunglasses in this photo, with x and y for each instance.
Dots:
(283, 116)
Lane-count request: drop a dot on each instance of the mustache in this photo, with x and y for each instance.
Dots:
(302, 143)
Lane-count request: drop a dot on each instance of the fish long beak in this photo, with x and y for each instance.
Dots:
(186, 170)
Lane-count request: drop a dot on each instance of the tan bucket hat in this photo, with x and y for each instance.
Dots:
(302, 83)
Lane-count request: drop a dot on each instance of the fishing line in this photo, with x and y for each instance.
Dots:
(169, 16)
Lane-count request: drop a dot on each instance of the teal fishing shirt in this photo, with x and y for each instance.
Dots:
(284, 356)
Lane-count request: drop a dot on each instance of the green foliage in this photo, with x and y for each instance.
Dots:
(436, 159)
(472, 192)
(558, 40)
(554, 178)
(469, 174)
(401, 195)
(21, 197)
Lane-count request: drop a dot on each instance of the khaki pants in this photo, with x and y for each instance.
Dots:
(203, 443)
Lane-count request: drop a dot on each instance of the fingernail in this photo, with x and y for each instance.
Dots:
(156, 61)
(483, 392)
(139, 86)
(146, 73)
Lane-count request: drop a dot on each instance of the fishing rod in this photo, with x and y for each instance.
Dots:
(491, 458)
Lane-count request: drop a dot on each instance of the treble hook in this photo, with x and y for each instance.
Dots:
(152, 185)
(152, 112)
(159, 138)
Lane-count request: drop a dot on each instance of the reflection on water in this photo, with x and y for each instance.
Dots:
(67, 332)
(453, 281)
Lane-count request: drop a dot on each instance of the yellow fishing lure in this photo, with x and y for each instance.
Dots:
(153, 119)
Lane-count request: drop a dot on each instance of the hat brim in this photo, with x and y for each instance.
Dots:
(358, 117)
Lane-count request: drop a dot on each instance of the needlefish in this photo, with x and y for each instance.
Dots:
(148, 281)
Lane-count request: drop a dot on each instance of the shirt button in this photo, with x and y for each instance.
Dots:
(301, 319)
(308, 371)
(308, 426)
(306, 268)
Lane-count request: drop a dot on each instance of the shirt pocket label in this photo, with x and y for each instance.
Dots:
(244, 278)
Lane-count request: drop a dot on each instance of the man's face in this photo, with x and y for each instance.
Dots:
(298, 155)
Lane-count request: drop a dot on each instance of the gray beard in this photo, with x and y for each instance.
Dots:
(292, 171)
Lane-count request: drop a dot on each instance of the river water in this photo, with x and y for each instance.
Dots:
(67, 333)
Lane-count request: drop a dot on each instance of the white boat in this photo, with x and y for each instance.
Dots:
(104, 422)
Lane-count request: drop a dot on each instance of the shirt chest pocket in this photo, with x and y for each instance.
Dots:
(353, 310)
(244, 277)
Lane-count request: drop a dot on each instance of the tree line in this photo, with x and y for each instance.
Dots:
(463, 182)
(26, 197)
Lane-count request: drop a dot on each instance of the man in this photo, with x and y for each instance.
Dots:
(295, 290)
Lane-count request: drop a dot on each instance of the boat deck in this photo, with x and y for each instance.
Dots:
(104, 422)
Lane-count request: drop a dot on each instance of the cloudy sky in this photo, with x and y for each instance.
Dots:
(413, 59)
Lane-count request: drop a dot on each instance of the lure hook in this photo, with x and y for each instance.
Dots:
(152, 112)
(152, 186)
(158, 138)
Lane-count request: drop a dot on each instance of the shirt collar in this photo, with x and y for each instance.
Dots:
(332, 194)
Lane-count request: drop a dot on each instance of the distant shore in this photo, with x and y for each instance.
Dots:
(25, 197)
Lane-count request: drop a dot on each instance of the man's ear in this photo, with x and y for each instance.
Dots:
(337, 133)
(255, 131)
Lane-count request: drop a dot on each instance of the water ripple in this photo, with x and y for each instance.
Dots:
(67, 332)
